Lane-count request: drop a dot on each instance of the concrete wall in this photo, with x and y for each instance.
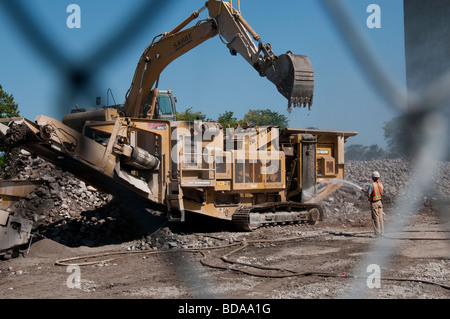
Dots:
(427, 54)
(427, 41)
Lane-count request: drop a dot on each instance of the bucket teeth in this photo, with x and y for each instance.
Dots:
(300, 102)
(293, 76)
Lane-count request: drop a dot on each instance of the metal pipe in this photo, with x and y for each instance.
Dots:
(151, 112)
(188, 20)
(255, 35)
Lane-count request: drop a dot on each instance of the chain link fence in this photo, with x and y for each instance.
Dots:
(78, 77)
(426, 111)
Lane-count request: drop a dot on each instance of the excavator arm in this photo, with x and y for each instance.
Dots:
(155, 59)
(292, 74)
(263, 177)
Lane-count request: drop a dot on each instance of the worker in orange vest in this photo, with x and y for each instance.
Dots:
(374, 193)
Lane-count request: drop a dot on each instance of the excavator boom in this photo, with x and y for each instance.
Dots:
(156, 57)
(292, 74)
(251, 176)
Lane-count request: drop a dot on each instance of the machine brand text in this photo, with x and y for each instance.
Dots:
(183, 41)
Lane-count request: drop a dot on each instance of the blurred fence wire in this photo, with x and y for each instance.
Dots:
(79, 77)
(433, 128)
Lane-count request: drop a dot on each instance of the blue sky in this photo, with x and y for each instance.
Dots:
(208, 78)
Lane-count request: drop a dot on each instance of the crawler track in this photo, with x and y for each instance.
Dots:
(249, 218)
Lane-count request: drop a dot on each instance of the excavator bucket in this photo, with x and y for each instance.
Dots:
(293, 76)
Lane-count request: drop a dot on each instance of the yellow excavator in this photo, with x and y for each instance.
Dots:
(253, 176)
(292, 74)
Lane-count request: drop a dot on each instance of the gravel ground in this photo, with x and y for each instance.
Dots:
(173, 261)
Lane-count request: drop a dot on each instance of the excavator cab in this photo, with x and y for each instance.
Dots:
(165, 106)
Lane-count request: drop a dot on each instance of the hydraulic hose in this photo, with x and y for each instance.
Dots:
(282, 272)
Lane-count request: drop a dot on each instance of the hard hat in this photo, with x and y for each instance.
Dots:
(376, 174)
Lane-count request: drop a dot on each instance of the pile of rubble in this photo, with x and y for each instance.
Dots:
(396, 176)
(60, 195)
(65, 209)
(349, 205)
(72, 213)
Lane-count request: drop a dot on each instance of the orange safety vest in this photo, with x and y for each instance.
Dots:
(377, 191)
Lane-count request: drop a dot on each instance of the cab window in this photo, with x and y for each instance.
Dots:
(165, 105)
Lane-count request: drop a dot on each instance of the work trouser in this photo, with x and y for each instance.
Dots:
(377, 216)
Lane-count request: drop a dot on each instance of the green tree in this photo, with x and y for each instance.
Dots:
(355, 152)
(266, 117)
(8, 108)
(227, 120)
(189, 115)
(360, 152)
(403, 135)
(374, 152)
(392, 132)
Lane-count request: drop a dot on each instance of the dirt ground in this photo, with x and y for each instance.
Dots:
(281, 262)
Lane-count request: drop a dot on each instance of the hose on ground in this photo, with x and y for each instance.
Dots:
(282, 272)
(292, 273)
